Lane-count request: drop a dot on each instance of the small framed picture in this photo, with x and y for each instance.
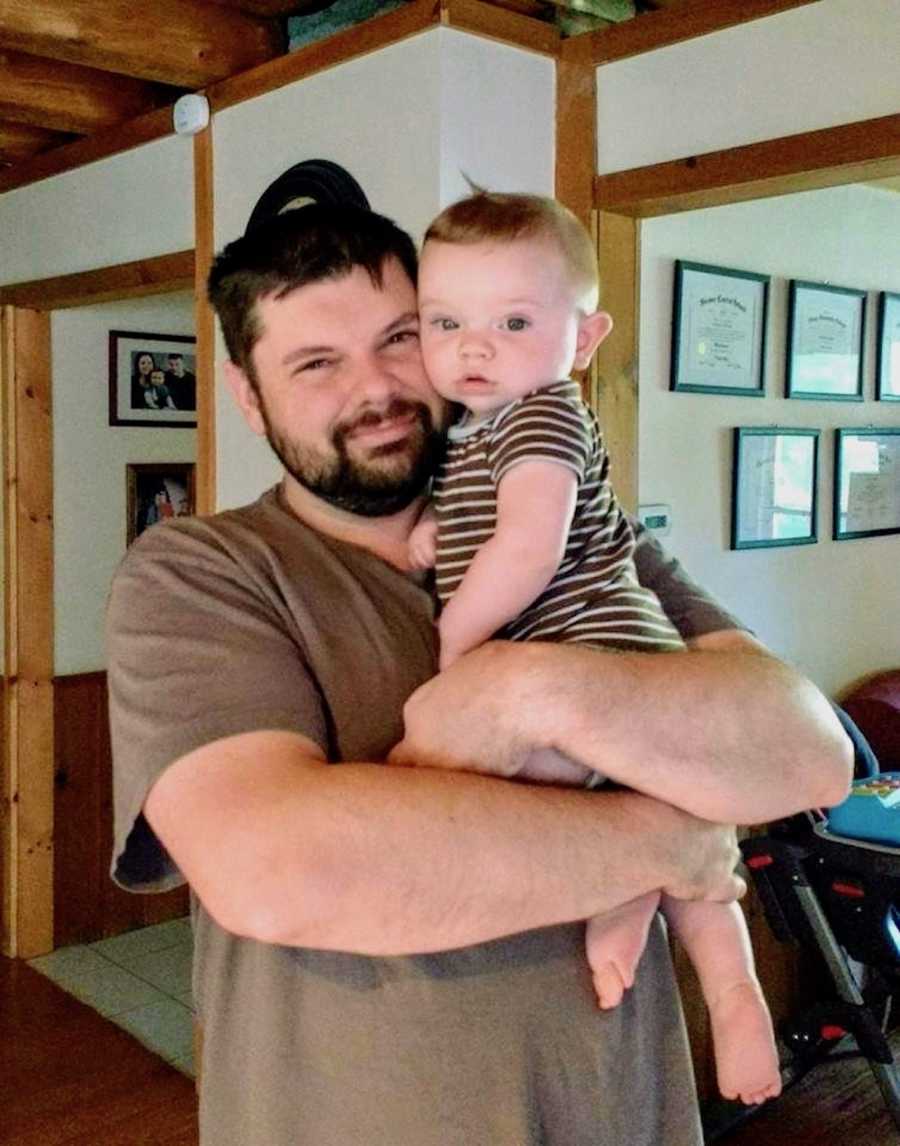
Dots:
(866, 482)
(152, 379)
(718, 330)
(825, 342)
(774, 487)
(887, 366)
(157, 492)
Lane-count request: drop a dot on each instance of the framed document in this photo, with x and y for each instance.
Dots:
(718, 330)
(866, 482)
(825, 342)
(774, 483)
(887, 368)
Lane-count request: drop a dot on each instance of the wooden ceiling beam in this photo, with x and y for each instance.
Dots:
(68, 97)
(186, 43)
(271, 8)
(19, 141)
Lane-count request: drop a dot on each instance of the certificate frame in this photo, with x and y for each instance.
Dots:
(868, 506)
(887, 354)
(825, 333)
(719, 326)
(774, 489)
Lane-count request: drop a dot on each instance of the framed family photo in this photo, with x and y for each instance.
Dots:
(825, 342)
(157, 492)
(152, 379)
(866, 482)
(887, 368)
(719, 330)
(774, 484)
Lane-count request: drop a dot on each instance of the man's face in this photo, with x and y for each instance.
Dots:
(342, 394)
(176, 366)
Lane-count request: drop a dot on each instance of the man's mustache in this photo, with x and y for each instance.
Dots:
(396, 408)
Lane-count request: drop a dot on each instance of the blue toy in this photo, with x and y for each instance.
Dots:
(871, 811)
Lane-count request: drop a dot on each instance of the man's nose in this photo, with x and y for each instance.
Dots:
(373, 380)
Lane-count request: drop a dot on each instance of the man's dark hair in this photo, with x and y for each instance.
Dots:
(305, 245)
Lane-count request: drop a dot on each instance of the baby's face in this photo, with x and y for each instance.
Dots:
(498, 320)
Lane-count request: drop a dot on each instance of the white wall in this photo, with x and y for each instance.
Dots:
(405, 122)
(130, 206)
(832, 608)
(817, 66)
(89, 464)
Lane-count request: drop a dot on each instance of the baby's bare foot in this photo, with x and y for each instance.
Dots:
(615, 942)
(746, 1055)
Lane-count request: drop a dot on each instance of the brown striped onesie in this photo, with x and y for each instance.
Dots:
(595, 596)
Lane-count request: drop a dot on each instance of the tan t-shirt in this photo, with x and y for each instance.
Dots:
(249, 620)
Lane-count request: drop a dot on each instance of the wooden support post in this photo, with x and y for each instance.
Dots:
(28, 751)
(204, 323)
(614, 387)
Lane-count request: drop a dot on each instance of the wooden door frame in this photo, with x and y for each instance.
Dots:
(26, 775)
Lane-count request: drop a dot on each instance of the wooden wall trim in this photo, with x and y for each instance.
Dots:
(576, 136)
(28, 771)
(360, 40)
(501, 24)
(851, 152)
(135, 132)
(680, 20)
(160, 275)
(204, 323)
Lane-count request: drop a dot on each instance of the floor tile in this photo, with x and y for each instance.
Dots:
(169, 970)
(165, 1026)
(122, 949)
(106, 987)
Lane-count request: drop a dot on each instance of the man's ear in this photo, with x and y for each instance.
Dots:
(592, 329)
(246, 397)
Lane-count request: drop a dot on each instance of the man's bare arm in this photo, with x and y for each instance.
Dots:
(724, 730)
(283, 848)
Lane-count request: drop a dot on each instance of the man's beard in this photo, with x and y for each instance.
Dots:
(390, 479)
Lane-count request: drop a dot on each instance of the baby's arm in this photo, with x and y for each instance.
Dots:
(423, 540)
(535, 504)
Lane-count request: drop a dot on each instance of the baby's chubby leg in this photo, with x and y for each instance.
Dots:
(615, 942)
(716, 939)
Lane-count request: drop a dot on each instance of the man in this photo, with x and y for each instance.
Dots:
(182, 383)
(393, 956)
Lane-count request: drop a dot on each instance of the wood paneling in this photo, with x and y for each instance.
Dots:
(87, 904)
(500, 24)
(576, 137)
(678, 21)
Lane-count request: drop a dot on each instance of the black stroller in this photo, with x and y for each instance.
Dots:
(835, 895)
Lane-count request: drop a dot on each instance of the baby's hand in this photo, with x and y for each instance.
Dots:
(423, 542)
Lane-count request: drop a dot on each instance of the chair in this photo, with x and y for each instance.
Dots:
(836, 895)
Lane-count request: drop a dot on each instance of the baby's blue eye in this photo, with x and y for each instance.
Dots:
(517, 324)
(444, 324)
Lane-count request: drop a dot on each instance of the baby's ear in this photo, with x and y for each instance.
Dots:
(592, 329)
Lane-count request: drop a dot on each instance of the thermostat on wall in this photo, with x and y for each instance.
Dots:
(656, 518)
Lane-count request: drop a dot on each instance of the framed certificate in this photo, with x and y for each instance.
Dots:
(825, 342)
(866, 482)
(718, 330)
(774, 483)
(887, 367)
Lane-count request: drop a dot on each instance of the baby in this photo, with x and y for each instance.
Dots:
(529, 542)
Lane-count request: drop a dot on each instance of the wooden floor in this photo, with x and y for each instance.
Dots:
(71, 1078)
(68, 1076)
(837, 1104)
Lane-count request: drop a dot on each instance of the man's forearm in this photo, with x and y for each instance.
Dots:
(382, 860)
(732, 736)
